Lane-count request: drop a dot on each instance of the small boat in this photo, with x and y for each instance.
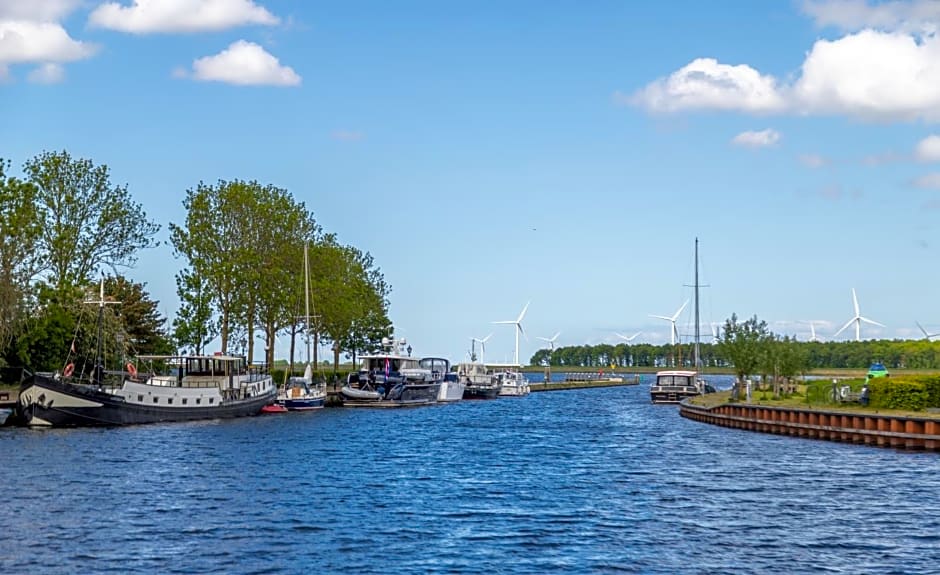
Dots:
(512, 384)
(390, 379)
(451, 388)
(672, 386)
(274, 408)
(479, 383)
(300, 393)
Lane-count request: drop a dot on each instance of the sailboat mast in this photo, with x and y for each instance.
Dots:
(99, 351)
(696, 360)
(307, 302)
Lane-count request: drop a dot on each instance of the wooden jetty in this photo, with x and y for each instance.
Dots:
(881, 430)
(584, 380)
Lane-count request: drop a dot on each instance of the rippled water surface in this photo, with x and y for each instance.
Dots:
(581, 481)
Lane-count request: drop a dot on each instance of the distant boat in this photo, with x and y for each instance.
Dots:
(390, 379)
(512, 384)
(479, 383)
(672, 386)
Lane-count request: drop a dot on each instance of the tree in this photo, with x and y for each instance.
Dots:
(741, 345)
(211, 240)
(19, 257)
(195, 324)
(139, 316)
(86, 221)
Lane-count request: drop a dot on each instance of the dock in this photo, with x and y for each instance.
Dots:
(584, 380)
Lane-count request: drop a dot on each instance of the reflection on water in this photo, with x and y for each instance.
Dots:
(579, 481)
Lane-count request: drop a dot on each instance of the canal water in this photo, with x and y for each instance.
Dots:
(579, 481)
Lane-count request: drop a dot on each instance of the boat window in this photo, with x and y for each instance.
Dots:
(184, 400)
(156, 399)
(198, 400)
(140, 397)
(211, 400)
(169, 400)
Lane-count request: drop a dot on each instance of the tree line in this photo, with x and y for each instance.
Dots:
(742, 342)
(63, 224)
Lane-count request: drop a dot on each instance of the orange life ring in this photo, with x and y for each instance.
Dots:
(67, 372)
(131, 369)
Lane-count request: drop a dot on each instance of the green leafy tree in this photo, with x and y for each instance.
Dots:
(87, 222)
(20, 228)
(143, 327)
(212, 241)
(195, 325)
(741, 345)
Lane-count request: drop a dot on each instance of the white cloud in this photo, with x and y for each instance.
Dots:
(928, 149)
(813, 160)
(852, 15)
(147, 16)
(244, 63)
(705, 83)
(928, 181)
(871, 75)
(47, 73)
(32, 41)
(761, 139)
(874, 75)
(37, 10)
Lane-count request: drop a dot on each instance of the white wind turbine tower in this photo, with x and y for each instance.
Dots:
(551, 340)
(675, 332)
(518, 323)
(812, 332)
(927, 336)
(858, 319)
(627, 339)
(716, 332)
(482, 343)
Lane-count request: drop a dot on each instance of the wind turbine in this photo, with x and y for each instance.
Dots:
(927, 336)
(858, 319)
(716, 333)
(627, 339)
(812, 332)
(518, 323)
(551, 341)
(482, 343)
(675, 332)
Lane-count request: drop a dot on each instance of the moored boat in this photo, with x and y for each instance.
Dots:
(451, 388)
(390, 379)
(479, 383)
(512, 384)
(672, 386)
(187, 388)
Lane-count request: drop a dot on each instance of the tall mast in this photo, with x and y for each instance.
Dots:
(98, 370)
(307, 301)
(696, 360)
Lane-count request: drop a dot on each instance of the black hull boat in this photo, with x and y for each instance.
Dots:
(392, 379)
(402, 394)
(55, 401)
(472, 391)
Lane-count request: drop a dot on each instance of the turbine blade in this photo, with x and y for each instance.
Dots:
(506, 321)
(661, 317)
(843, 328)
(922, 330)
(554, 337)
(521, 315)
(676, 315)
(486, 338)
(871, 321)
(855, 301)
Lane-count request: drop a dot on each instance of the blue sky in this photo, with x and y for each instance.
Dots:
(489, 154)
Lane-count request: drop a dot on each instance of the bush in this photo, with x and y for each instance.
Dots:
(912, 393)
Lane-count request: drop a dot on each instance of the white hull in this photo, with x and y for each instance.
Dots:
(451, 391)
